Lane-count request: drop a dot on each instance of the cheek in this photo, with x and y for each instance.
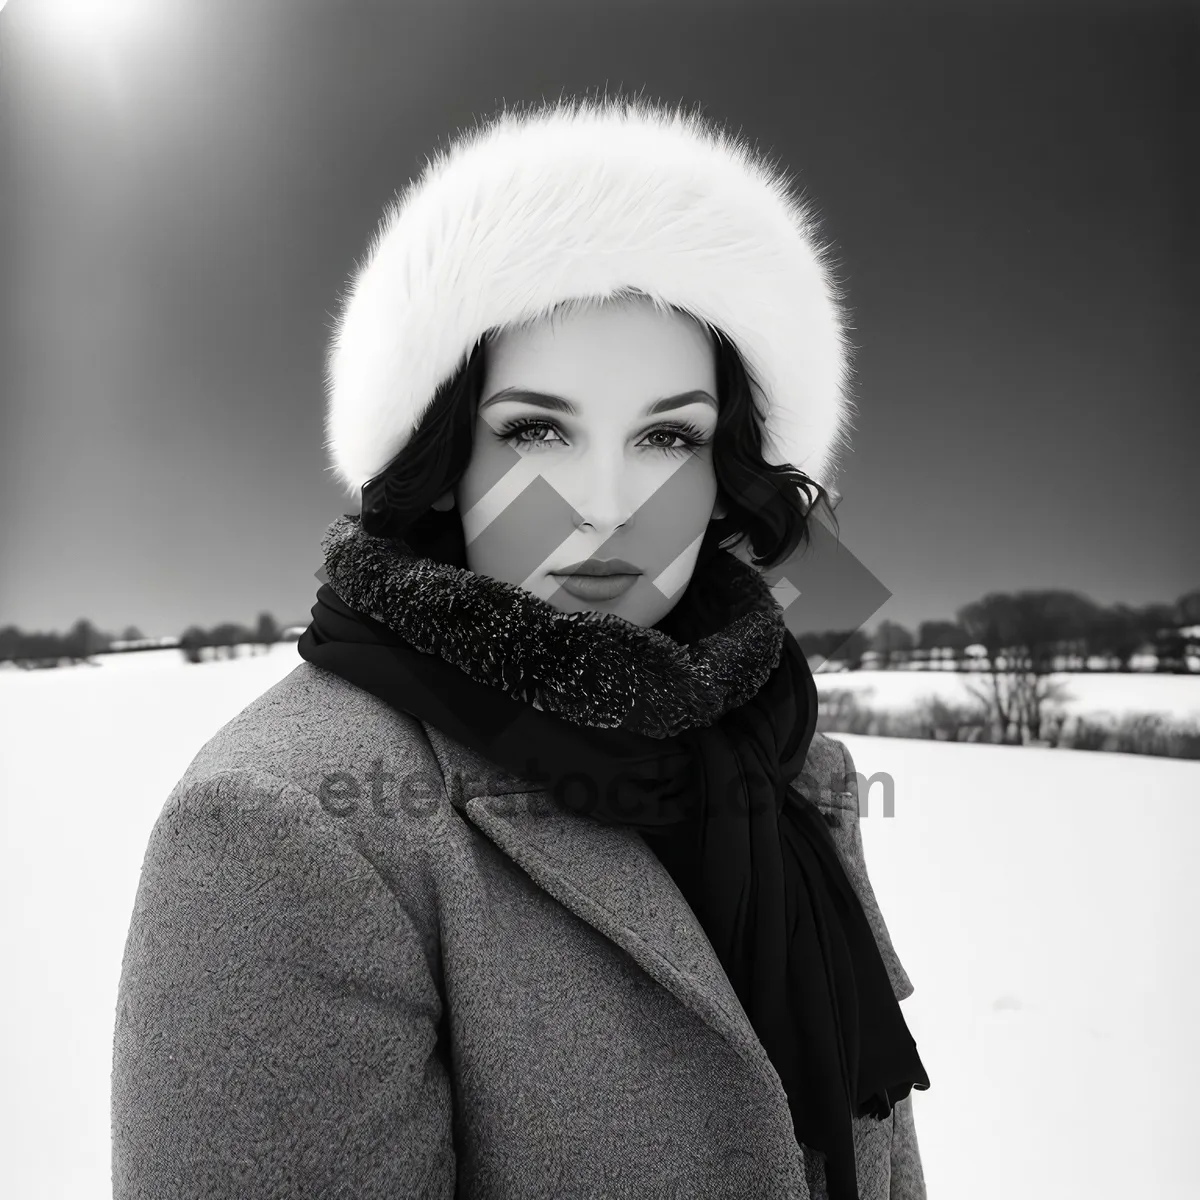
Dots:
(676, 517)
(495, 478)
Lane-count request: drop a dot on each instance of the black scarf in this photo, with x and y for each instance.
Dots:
(690, 733)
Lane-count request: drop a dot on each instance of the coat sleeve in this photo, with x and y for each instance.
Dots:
(907, 1176)
(278, 1012)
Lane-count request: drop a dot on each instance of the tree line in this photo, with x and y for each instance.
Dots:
(84, 641)
(199, 644)
(1013, 643)
(1058, 630)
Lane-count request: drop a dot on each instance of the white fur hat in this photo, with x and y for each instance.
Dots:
(579, 200)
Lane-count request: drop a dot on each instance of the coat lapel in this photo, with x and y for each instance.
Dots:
(611, 879)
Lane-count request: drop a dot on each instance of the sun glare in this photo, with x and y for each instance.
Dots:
(87, 20)
(100, 49)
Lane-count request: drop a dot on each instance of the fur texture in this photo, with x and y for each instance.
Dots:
(589, 668)
(579, 201)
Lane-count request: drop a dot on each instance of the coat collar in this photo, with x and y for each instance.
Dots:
(725, 638)
(610, 878)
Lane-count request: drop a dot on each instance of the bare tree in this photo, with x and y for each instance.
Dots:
(1021, 635)
(83, 641)
(889, 640)
(11, 641)
(1120, 631)
(1170, 651)
(228, 636)
(267, 631)
(850, 647)
(191, 641)
(1187, 608)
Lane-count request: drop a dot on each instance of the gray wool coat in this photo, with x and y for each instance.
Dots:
(365, 963)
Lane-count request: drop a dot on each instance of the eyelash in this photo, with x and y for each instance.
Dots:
(691, 434)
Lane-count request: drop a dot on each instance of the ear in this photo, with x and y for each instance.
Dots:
(445, 502)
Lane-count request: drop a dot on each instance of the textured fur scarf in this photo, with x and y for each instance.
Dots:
(589, 668)
(688, 732)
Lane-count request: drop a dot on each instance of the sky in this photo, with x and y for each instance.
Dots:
(184, 194)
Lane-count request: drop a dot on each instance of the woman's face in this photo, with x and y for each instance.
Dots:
(610, 472)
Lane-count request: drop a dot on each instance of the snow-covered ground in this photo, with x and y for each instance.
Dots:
(1042, 901)
(1098, 693)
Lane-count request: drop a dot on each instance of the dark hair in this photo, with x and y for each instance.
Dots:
(764, 504)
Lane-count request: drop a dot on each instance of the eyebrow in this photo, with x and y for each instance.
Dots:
(559, 404)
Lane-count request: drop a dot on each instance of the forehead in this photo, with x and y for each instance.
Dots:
(618, 343)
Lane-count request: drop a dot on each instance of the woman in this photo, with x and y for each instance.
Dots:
(532, 881)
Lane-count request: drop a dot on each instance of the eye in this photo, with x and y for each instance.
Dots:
(678, 431)
(515, 431)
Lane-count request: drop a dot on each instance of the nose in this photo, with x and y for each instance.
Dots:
(601, 491)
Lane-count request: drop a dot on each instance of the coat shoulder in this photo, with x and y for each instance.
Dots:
(286, 953)
(315, 732)
(825, 769)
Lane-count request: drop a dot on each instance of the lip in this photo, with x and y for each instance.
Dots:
(599, 566)
(591, 588)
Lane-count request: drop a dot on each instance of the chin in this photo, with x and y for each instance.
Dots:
(630, 608)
